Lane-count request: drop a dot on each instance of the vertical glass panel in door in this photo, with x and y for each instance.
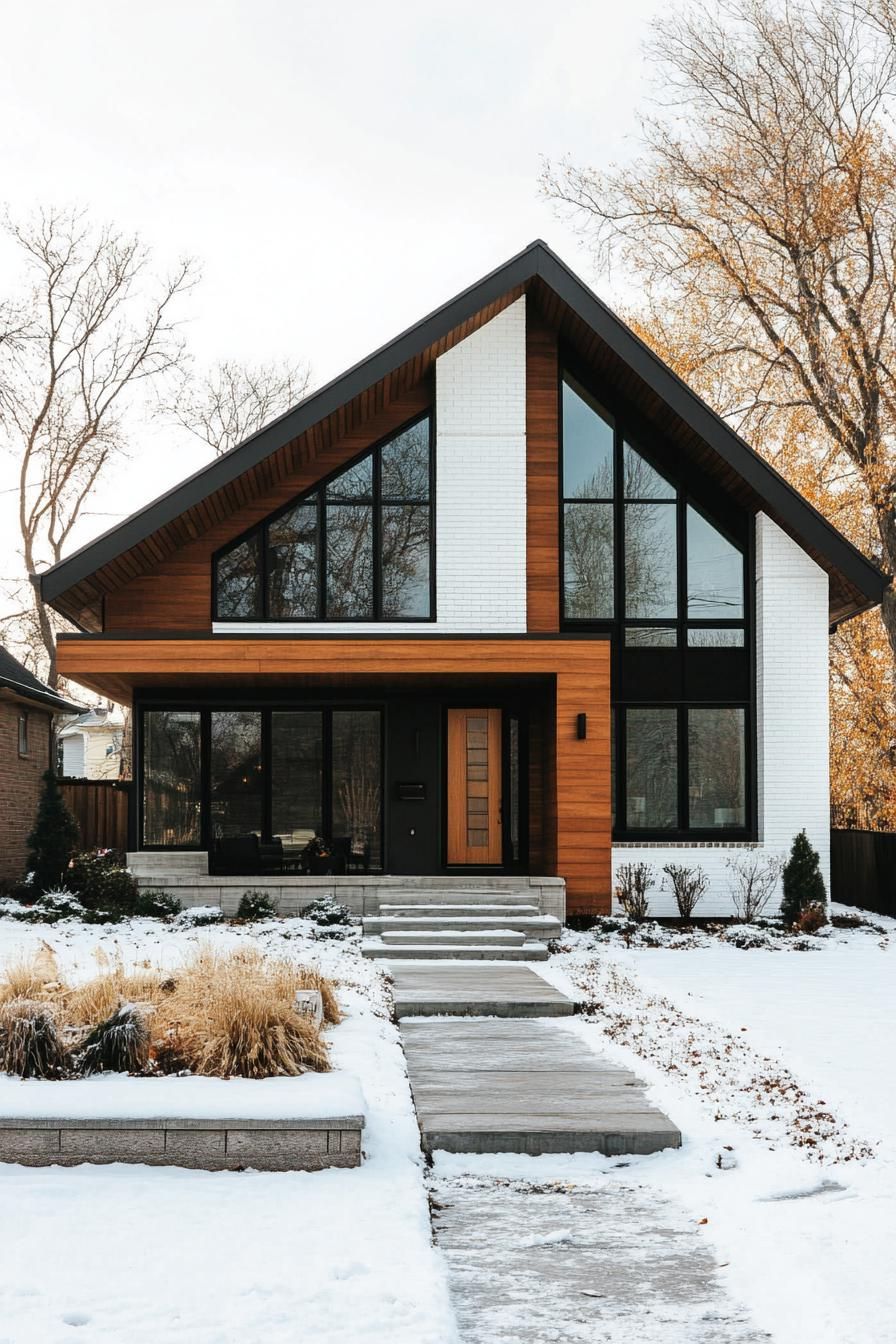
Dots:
(716, 768)
(292, 564)
(651, 577)
(296, 779)
(651, 769)
(349, 561)
(171, 778)
(235, 773)
(588, 562)
(715, 573)
(406, 561)
(357, 794)
(587, 448)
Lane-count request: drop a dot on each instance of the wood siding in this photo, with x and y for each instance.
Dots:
(542, 477)
(575, 808)
(176, 594)
(100, 807)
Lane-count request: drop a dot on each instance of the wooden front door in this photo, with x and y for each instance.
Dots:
(474, 786)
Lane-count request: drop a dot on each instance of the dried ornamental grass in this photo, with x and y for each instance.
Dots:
(34, 977)
(118, 1045)
(96, 1000)
(30, 1043)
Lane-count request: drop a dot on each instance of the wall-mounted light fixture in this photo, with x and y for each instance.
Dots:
(581, 726)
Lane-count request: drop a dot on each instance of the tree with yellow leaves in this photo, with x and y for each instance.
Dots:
(761, 215)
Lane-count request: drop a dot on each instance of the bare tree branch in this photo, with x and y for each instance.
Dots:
(227, 403)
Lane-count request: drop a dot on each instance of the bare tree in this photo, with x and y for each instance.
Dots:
(754, 878)
(688, 887)
(92, 327)
(764, 204)
(228, 402)
(633, 883)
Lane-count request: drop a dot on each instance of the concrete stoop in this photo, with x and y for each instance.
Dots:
(469, 925)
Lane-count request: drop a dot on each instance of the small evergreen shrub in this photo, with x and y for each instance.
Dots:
(157, 905)
(811, 918)
(102, 884)
(120, 1044)
(30, 1043)
(53, 841)
(256, 905)
(197, 916)
(633, 882)
(324, 910)
(688, 886)
(53, 906)
(802, 880)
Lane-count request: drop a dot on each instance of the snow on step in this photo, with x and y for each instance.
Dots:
(473, 951)
(507, 907)
(454, 937)
(539, 926)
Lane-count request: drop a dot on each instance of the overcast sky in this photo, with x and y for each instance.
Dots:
(338, 169)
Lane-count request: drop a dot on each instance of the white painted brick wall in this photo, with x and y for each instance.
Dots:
(480, 492)
(792, 724)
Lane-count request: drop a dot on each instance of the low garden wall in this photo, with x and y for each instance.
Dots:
(207, 1144)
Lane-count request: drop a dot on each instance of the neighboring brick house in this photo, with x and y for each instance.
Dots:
(27, 707)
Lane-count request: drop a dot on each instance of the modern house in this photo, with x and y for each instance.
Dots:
(89, 746)
(27, 708)
(504, 598)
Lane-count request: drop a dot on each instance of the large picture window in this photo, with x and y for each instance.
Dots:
(171, 778)
(359, 547)
(667, 573)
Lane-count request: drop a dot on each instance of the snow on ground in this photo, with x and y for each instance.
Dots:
(138, 1254)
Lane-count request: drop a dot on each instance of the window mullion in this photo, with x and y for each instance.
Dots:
(377, 537)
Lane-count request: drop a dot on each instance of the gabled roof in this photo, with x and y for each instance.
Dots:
(76, 585)
(24, 685)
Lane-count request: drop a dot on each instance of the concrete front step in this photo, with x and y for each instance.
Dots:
(511, 906)
(376, 948)
(453, 937)
(471, 989)
(536, 926)
(456, 896)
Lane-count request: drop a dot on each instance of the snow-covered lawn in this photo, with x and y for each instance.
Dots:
(128, 1254)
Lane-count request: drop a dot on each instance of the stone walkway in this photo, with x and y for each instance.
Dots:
(496, 1075)
(614, 1265)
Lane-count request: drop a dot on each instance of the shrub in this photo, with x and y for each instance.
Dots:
(324, 910)
(120, 1044)
(802, 880)
(157, 905)
(688, 885)
(30, 1044)
(255, 905)
(196, 916)
(53, 840)
(633, 881)
(50, 908)
(102, 884)
(754, 877)
(811, 918)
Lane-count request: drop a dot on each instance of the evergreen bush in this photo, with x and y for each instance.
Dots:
(803, 882)
(102, 884)
(256, 905)
(120, 1044)
(53, 841)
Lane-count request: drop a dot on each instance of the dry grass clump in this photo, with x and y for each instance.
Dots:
(234, 1014)
(219, 1014)
(30, 1043)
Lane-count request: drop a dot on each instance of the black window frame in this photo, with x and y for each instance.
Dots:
(24, 747)
(735, 525)
(316, 495)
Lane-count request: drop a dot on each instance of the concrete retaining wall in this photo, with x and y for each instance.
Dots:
(209, 1145)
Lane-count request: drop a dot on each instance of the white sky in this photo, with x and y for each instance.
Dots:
(339, 169)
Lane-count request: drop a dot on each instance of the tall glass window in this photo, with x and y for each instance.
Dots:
(297, 769)
(171, 778)
(359, 547)
(236, 780)
(357, 784)
(651, 770)
(588, 486)
(717, 774)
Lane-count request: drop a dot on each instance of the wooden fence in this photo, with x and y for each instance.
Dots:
(863, 869)
(100, 807)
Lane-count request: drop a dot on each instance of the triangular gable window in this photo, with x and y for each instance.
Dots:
(357, 547)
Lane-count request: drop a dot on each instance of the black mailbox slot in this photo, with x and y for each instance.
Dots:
(411, 793)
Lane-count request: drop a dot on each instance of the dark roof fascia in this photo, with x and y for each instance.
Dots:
(537, 260)
(92, 556)
(46, 699)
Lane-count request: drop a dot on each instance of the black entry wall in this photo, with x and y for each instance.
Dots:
(413, 758)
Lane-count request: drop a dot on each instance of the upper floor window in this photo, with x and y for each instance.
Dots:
(23, 733)
(636, 548)
(358, 547)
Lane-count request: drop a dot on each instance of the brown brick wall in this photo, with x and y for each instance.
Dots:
(20, 782)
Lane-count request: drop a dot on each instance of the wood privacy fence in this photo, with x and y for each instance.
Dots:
(100, 807)
(863, 869)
